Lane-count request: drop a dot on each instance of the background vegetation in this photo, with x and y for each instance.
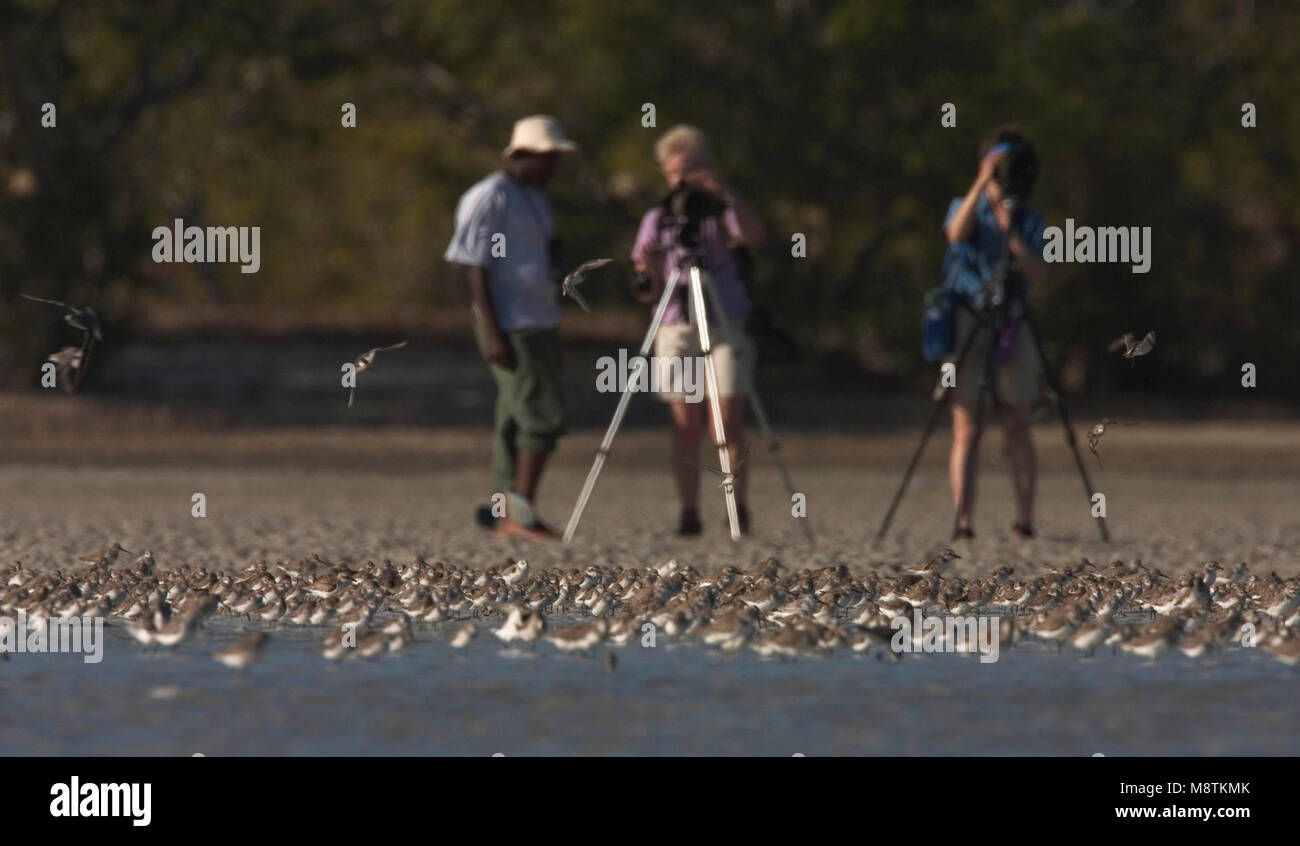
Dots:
(825, 114)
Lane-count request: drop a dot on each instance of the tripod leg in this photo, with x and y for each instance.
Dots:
(761, 416)
(774, 447)
(940, 402)
(1049, 375)
(608, 441)
(981, 405)
(715, 403)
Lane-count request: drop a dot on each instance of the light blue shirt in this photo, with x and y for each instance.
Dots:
(506, 229)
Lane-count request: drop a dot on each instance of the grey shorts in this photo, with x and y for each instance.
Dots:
(1014, 383)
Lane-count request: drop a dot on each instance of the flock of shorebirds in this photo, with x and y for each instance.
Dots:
(775, 611)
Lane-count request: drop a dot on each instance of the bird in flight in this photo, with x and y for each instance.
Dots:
(78, 318)
(366, 359)
(1131, 346)
(569, 287)
(71, 362)
(728, 479)
(1095, 433)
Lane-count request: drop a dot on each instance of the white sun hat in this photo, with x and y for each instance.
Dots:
(539, 134)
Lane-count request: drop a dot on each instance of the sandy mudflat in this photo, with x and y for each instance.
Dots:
(1178, 496)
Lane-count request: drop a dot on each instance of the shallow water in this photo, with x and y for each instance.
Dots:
(672, 699)
(431, 699)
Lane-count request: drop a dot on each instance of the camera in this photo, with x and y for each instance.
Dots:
(1018, 170)
(687, 206)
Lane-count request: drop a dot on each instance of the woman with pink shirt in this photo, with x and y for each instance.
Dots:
(686, 159)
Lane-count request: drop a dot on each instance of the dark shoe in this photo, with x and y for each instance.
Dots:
(1023, 530)
(963, 534)
(483, 516)
(688, 526)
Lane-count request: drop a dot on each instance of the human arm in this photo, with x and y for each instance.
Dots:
(962, 222)
(496, 349)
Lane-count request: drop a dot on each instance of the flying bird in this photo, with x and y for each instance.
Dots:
(569, 287)
(728, 479)
(71, 362)
(1095, 433)
(1132, 347)
(364, 361)
(84, 319)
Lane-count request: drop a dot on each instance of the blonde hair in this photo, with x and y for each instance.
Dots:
(688, 141)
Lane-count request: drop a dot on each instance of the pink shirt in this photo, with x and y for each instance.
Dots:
(718, 262)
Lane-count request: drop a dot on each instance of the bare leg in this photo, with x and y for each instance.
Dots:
(963, 436)
(688, 426)
(528, 471)
(1024, 461)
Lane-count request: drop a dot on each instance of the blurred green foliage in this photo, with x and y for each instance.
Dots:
(824, 114)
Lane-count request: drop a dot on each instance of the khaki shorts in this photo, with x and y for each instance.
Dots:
(733, 360)
(1014, 383)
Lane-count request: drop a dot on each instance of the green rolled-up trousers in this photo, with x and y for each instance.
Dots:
(530, 411)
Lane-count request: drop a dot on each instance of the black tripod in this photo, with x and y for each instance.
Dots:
(992, 318)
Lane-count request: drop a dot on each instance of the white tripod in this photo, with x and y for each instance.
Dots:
(698, 285)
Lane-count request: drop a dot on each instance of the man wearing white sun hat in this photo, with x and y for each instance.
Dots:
(505, 239)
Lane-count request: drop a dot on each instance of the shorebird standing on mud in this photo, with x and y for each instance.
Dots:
(244, 653)
(104, 557)
(580, 638)
(463, 636)
(937, 564)
(521, 624)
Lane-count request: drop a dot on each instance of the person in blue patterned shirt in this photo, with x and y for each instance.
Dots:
(975, 227)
